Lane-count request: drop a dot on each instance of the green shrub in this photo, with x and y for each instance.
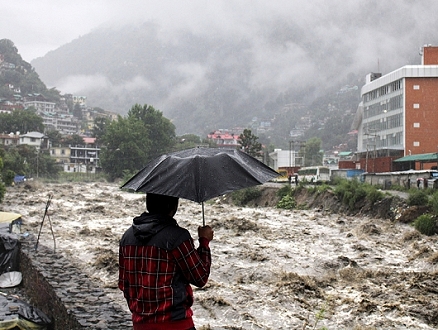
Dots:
(287, 202)
(243, 196)
(398, 187)
(426, 224)
(2, 191)
(373, 194)
(312, 189)
(433, 203)
(349, 192)
(284, 191)
(418, 198)
(323, 188)
(8, 177)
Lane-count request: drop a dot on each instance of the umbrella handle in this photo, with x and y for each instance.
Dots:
(203, 218)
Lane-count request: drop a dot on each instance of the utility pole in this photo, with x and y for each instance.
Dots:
(293, 152)
(374, 135)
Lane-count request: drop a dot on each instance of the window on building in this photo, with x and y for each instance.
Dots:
(395, 102)
(396, 85)
(416, 87)
(384, 90)
(416, 106)
(416, 143)
(394, 139)
(416, 125)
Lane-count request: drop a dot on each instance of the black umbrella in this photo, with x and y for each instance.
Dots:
(200, 174)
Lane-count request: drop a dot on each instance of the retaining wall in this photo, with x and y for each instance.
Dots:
(55, 286)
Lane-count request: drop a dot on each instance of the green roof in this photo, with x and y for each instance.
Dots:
(431, 157)
(345, 153)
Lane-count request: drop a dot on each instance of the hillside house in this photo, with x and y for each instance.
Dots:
(35, 139)
(84, 158)
(224, 138)
(61, 154)
(9, 139)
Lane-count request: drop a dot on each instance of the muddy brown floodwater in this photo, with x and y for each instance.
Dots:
(272, 268)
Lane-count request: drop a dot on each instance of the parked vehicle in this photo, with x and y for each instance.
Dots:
(282, 176)
(314, 174)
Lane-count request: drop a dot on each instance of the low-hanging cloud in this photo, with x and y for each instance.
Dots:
(225, 55)
(80, 83)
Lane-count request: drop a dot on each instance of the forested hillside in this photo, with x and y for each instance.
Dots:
(202, 82)
(18, 77)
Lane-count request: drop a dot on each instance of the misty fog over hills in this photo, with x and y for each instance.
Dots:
(223, 77)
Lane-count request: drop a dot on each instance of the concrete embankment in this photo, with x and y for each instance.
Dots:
(56, 287)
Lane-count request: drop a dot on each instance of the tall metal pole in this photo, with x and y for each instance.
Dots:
(366, 160)
(38, 161)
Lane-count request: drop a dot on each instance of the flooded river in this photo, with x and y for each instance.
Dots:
(272, 268)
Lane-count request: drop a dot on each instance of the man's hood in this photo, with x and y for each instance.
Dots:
(147, 225)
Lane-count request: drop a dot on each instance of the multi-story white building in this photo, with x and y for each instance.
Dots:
(41, 106)
(398, 115)
(84, 158)
(64, 123)
(285, 158)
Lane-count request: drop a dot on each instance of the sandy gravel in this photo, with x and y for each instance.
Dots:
(272, 268)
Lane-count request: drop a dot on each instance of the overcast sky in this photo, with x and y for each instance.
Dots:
(37, 27)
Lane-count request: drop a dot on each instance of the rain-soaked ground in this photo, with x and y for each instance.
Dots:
(272, 268)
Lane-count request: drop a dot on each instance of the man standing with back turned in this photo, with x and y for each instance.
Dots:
(158, 262)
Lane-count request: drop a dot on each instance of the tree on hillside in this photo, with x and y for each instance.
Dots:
(15, 162)
(27, 160)
(22, 121)
(53, 94)
(134, 140)
(2, 185)
(55, 138)
(22, 76)
(312, 152)
(74, 140)
(9, 51)
(159, 129)
(249, 144)
(188, 141)
(77, 111)
(100, 126)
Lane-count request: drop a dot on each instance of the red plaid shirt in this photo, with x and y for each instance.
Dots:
(155, 280)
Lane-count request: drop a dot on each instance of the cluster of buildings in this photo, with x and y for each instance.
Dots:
(225, 138)
(70, 115)
(83, 158)
(57, 116)
(396, 122)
